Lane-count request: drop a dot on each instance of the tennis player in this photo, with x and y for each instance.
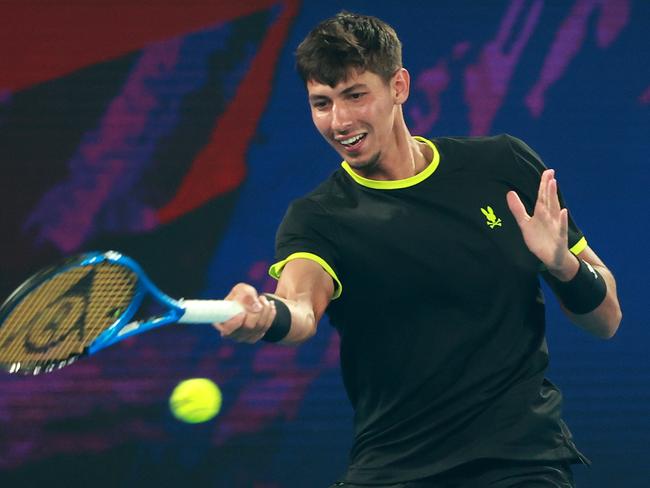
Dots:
(426, 255)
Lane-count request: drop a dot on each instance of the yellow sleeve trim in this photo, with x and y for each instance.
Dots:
(276, 269)
(579, 246)
(397, 184)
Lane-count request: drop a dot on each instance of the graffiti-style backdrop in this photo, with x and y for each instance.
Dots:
(178, 133)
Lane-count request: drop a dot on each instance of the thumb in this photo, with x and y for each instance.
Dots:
(251, 302)
(517, 208)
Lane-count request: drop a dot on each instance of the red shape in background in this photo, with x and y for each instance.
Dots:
(65, 38)
(41, 41)
(220, 167)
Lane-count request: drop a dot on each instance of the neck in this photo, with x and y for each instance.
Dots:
(402, 157)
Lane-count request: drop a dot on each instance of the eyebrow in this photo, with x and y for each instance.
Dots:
(349, 89)
(354, 87)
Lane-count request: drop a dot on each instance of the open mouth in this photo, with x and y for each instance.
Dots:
(352, 142)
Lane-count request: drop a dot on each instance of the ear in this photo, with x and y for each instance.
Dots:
(400, 85)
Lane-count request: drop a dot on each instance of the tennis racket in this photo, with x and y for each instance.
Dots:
(85, 304)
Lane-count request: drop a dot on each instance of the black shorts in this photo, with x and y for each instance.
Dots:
(491, 473)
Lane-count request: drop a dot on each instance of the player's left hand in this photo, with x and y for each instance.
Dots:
(546, 231)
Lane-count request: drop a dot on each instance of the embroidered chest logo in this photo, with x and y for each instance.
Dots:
(492, 220)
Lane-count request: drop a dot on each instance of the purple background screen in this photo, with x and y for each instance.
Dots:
(178, 133)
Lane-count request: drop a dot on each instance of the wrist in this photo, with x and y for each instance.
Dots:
(281, 324)
(583, 293)
(568, 269)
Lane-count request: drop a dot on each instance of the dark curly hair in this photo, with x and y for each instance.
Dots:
(346, 41)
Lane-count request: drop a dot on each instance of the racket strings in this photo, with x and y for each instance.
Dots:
(57, 320)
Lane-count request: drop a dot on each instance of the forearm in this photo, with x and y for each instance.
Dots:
(306, 289)
(290, 315)
(302, 322)
(603, 320)
(584, 285)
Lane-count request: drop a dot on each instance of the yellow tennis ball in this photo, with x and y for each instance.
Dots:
(195, 400)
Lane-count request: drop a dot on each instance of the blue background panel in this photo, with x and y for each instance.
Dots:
(179, 132)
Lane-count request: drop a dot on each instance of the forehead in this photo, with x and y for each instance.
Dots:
(354, 77)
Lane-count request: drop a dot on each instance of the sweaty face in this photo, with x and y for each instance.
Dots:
(356, 117)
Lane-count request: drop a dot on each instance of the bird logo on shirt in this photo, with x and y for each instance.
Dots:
(492, 220)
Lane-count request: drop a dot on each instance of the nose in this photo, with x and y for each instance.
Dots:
(341, 121)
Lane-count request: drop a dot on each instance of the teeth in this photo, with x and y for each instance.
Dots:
(352, 140)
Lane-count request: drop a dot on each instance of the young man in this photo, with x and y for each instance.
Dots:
(426, 256)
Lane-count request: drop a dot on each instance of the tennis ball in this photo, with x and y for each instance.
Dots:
(195, 400)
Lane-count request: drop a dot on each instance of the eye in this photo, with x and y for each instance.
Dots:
(356, 95)
(319, 104)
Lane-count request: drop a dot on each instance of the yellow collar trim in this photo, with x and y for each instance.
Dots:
(396, 184)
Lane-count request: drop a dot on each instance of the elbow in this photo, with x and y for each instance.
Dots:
(613, 324)
(299, 340)
(301, 331)
(613, 313)
(311, 332)
(603, 323)
(309, 325)
(310, 329)
(305, 334)
(609, 325)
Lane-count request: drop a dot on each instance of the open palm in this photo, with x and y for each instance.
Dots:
(546, 231)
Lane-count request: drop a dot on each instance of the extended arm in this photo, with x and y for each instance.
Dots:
(546, 235)
(306, 289)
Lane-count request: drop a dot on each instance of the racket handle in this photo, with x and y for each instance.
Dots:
(208, 311)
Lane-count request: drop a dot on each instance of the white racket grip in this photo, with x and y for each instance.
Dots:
(208, 311)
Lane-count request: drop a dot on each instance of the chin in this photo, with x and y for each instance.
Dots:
(367, 165)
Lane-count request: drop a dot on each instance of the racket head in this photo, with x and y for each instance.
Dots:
(71, 310)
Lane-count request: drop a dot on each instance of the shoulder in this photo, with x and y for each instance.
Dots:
(318, 202)
(320, 196)
(502, 153)
(338, 193)
(479, 146)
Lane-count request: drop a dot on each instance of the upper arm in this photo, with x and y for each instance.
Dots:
(307, 283)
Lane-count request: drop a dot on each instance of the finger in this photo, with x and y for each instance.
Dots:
(242, 334)
(554, 200)
(266, 317)
(252, 303)
(548, 197)
(247, 336)
(274, 312)
(256, 324)
(541, 191)
(247, 330)
(264, 321)
(517, 208)
(247, 297)
(564, 224)
(256, 331)
(227, 327)
(239, 290)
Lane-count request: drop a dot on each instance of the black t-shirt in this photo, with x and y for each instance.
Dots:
(439, 310)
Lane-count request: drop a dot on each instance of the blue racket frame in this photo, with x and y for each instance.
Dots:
(123, 328)
(124, 323)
